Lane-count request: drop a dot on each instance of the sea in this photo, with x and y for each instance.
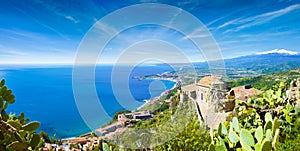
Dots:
(45, 94)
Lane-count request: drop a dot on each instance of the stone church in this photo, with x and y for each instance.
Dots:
(213, 99)
(210, 89)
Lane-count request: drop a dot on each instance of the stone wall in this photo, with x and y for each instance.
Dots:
(293, 93)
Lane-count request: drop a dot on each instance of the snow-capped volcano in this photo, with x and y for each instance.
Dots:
(278, 51)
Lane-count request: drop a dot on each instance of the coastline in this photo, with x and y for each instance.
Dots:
(149, 101)
(152, 100)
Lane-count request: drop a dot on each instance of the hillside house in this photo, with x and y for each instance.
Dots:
(243, 92)
(134, 116)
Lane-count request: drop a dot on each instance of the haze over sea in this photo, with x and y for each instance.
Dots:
(45, 94)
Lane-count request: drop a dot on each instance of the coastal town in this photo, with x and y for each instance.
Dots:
(211, 96)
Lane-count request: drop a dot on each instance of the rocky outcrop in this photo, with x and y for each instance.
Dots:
(294, 91)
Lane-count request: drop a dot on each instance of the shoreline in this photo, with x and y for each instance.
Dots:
(149, 101)
(152, 100)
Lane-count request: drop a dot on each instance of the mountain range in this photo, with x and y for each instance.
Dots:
(276, 60)
(266, 62)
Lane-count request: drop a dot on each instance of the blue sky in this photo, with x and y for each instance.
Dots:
(42, 32)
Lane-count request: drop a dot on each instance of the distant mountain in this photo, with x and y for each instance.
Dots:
(266, 62)
(279, 51)
(277, 60)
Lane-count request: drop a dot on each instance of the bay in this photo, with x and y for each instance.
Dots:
(45, 94)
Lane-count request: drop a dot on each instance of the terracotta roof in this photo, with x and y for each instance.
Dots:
(242, 93)
(207, 81)
(191, 87)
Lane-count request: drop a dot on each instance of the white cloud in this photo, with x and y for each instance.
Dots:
(71, 19)
(38, 58)
(191, 36)
(42, 24)
(258, 19)
(228, 23)
(10, 55)
(100, 26)
(5, 51)
(197, 33)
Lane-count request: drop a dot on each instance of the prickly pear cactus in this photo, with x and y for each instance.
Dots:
(16, 133)
(236, 137)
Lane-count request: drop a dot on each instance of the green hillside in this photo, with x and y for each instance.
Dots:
(264, 82)
(269, 121)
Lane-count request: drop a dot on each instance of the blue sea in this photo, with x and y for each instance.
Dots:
(45, 94)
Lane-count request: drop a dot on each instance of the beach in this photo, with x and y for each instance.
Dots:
(152, 100)
(121, 129)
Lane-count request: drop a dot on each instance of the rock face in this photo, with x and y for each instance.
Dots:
(228, 105)
(293, 93)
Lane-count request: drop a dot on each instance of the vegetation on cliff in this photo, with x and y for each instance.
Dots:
(269, 121)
